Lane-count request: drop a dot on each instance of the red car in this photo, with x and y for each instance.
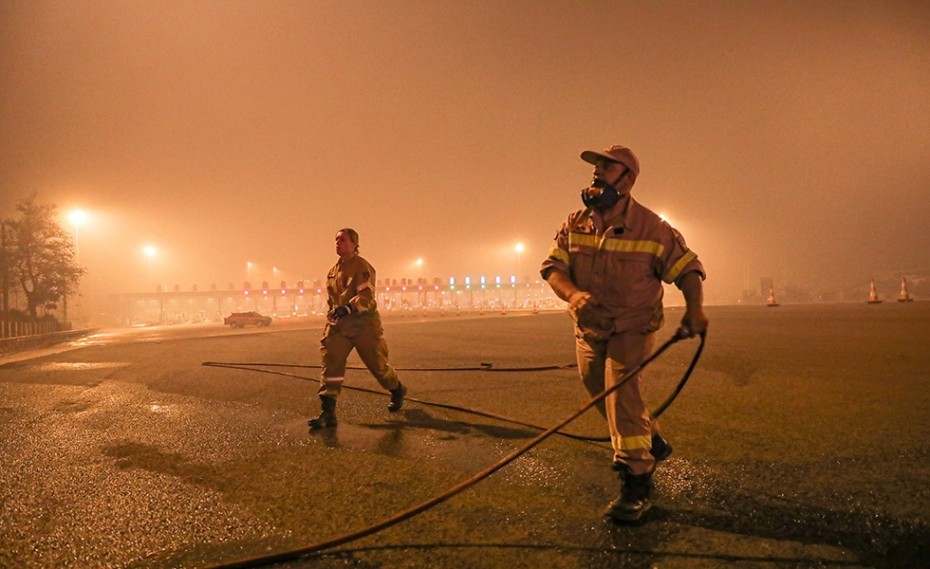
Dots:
(240, 319)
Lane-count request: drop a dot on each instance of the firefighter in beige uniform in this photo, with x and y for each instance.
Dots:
(608, 261)
(353, 322)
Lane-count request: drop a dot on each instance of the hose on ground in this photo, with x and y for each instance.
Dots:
(440, 498)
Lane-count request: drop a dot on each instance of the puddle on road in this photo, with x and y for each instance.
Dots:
(78, 366)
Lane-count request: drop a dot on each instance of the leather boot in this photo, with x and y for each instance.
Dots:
(327, 417)
(397, 398)
(634, 500)
(661, 449)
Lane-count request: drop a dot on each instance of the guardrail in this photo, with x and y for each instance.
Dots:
(8, 345)
(17, 328)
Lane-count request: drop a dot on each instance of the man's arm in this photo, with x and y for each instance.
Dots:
(692, 288)
(564, 288)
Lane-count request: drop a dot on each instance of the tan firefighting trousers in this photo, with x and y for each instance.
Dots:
(601, 363)
(364, 334)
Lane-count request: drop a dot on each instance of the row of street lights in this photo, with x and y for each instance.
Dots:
(79, 217)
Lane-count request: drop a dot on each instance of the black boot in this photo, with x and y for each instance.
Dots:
(327, 417)
(660, 448)
(397, 398)
(634, 500)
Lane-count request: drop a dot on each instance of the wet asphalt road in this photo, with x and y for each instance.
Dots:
(801, 441)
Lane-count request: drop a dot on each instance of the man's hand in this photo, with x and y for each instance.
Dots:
(694, 322)
(580, 300)
(339, 312)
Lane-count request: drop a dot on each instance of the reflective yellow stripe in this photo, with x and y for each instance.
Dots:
(673, 273)
(559, 254)
(582, 240)
(622, 245)
(617, 245)
(634, 443)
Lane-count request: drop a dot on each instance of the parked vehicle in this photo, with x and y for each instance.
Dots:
(240, 319)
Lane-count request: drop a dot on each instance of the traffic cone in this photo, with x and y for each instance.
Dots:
(873, 294)
(904, 297)
(771, 301)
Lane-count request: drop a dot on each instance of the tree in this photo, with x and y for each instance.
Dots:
(41, 256)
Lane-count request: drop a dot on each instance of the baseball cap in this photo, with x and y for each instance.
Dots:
(616, 153)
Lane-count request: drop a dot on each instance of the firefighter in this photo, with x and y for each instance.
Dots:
(608, 261)
(353, 322)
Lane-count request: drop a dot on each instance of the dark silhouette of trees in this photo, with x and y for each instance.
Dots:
(38, 256)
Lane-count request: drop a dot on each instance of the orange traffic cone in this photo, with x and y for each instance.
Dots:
(873, 294)
(904, 297)
(771, 301)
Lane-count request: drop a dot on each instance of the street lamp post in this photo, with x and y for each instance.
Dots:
(77, 218)
(149, 252)
(5, 285)
(420, 290)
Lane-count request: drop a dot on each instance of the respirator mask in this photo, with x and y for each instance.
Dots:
(601, 194)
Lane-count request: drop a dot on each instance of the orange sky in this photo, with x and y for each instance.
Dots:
(784, 139)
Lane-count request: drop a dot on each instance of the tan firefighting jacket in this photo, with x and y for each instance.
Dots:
(351, 281)
(623, 268)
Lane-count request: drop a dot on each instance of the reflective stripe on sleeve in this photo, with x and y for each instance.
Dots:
(675, 271)
(333, 380)
(559, 254)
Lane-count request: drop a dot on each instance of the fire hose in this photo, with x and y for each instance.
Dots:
(440, 498)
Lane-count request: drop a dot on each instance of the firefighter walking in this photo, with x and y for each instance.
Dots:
(608, 261)
(353, 322)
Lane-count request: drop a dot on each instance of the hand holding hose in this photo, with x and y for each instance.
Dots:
(693, 323)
